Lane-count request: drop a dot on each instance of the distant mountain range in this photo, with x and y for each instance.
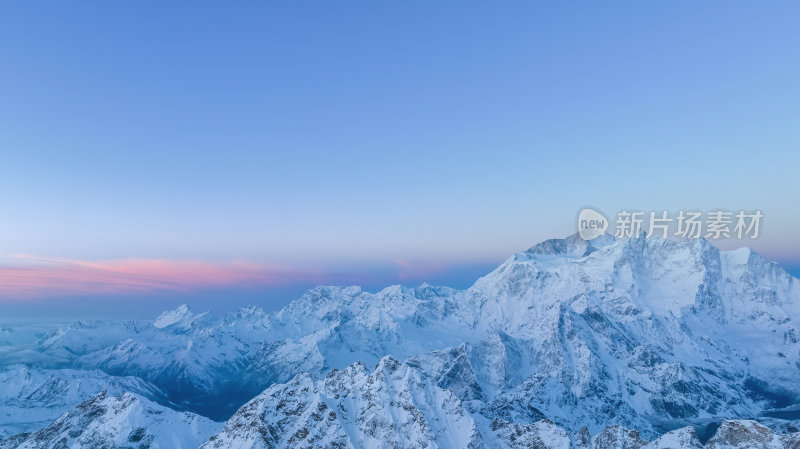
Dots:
(571, 344)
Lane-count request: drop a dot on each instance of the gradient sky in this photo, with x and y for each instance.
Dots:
(277, 144)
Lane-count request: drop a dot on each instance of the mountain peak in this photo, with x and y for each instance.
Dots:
(180, 315)
(573, 246)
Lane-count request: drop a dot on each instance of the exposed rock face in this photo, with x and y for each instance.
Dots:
(392, 406)
(618, 437)
(744, 434)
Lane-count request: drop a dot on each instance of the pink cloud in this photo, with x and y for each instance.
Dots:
(31, 276)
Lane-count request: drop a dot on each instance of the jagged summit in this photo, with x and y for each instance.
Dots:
(573, 245)
(181, 317)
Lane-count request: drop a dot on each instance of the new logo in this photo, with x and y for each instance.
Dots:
(591, 224)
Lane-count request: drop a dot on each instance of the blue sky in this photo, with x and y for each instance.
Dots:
(385, 141)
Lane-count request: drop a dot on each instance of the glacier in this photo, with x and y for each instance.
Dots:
(598, 344)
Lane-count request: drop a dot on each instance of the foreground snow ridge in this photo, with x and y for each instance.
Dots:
(116, 422)
(634, 343)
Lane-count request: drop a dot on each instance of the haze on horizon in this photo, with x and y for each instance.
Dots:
(246, 152)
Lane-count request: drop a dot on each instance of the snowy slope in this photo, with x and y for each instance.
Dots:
(128, 420)
(31, 398)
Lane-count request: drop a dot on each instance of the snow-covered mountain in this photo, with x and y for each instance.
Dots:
(394, 405)
(649, 335)
(31, 398)
(397, 405)
(128, 420)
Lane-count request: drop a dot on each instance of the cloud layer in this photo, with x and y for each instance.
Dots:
(26, 276)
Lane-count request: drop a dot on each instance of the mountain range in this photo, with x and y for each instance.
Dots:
(598, 344)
